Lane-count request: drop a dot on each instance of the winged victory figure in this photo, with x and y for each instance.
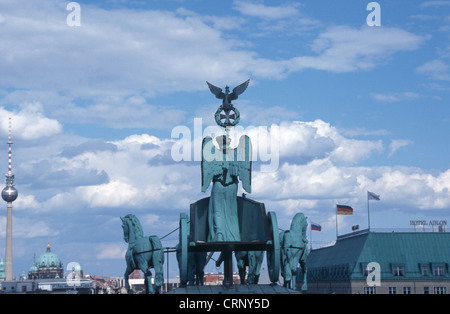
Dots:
(224, 167)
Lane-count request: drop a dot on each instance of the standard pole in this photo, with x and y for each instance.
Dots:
(228, 267)
(368, 213)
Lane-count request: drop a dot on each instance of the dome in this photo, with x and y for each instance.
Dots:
(48, 259)
(9, 194)
(33, 268)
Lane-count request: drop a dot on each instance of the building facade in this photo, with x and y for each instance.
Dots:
(382, 263)
(2, 270)
(47, 266)
(47, 286)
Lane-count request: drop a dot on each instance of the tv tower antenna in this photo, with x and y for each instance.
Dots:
(9, 144)
(9, 195)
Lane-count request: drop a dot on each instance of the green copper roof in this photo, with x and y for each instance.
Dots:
(411, 251)
(48, 259)
(33, 268)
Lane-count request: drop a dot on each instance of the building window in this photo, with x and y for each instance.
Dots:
(398, 271)
(392, 290)
(440, 290)
(424, 270)
(426, 290)
(406, 290)
(438, 271)
(370, 290)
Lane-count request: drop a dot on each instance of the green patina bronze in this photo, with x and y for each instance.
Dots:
(225, 222)
(224, 167)
(191, 264)
(252, 260)
(143, 253)
(294, 251)
(223, 115)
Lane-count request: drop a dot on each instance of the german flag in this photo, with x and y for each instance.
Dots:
(344, 210)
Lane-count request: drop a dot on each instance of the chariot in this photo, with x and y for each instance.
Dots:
(258, 231)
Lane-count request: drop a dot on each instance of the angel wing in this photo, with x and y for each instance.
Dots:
(239, 165)
(238, 90)
(210, 165)
(216, 91)
(243, 162)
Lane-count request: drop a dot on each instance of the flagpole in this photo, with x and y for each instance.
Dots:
(336, 223)
(368, 213)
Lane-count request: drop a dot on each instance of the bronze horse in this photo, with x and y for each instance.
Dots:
(294, 251)
(143, 253)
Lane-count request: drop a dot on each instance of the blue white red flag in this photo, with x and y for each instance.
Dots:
(316, 227)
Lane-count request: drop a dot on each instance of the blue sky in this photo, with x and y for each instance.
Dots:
(352, 108)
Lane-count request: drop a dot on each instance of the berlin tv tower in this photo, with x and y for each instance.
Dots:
(9, 195)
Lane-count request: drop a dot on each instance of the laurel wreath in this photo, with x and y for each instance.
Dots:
(224, 125)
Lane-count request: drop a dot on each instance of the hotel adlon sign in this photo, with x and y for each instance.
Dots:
(428, 223)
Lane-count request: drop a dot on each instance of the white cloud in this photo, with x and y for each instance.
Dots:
(318, 139)
(319, 167)
(435, 4)
(317, 162)
(148, 52)
(313, 159)
(435, 69)
(394, 97)
(29, 123)
(28, 228)
(266, 12)
(414, 188)
(111, 194)
(397, 144)
(347, 49)
(111, 251)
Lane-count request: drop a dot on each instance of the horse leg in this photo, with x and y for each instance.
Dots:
(288, 275)
(127, 284)
(251, 268)
(240, 262)
(148, 281)
(159, 277)
(158, 264)
(259, 260)
(294, 278)
(305, 280)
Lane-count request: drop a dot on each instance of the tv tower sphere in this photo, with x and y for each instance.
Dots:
(9, 193)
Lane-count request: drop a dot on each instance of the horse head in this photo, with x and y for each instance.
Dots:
(132, 228)
(299, 226)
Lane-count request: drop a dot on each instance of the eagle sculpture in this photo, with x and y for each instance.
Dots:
(227, 97)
